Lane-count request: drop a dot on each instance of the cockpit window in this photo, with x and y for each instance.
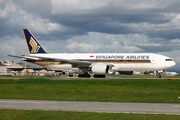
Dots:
(168, 59)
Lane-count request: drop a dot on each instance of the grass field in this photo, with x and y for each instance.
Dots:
(117, 90)
(64, 115)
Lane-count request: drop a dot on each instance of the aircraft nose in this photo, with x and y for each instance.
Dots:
(173, 63)
(170, 64)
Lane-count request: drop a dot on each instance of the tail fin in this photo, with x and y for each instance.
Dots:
(33, 45)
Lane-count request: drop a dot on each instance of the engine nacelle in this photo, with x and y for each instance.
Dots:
(100, 69)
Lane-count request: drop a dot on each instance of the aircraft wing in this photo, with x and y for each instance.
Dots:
(25, 57)
(75, 63)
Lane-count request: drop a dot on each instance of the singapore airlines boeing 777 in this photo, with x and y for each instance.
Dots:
(98, 64)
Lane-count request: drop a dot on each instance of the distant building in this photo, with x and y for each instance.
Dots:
(3, 69)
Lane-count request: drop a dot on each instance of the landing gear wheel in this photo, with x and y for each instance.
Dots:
(158, 76)
(99, 76)
(70, 75)
(84, 75)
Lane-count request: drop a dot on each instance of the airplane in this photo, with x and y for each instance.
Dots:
(97, 64)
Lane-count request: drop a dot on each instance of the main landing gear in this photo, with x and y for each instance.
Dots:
(84, 75)
(99, 76)
(87, 75)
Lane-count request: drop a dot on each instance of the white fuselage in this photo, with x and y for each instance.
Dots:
(120, 61)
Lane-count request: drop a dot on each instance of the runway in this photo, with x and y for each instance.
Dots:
(108, 107)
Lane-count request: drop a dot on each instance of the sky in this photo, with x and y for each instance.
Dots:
(99, 26)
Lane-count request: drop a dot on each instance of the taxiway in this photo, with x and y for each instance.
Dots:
(108, 107)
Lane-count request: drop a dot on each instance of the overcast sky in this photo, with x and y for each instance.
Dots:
(92, 26)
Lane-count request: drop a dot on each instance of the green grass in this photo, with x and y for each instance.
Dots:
(118, 90)
(6, 114)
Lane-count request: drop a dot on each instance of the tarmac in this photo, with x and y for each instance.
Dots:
(81, 106)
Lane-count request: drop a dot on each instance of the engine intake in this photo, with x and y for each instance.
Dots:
(99, 69)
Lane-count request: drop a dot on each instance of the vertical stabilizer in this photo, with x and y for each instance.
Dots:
(33, 45)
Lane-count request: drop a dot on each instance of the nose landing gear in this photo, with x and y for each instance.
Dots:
(158, 76)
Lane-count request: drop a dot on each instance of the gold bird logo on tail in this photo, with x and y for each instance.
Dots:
(34, 45)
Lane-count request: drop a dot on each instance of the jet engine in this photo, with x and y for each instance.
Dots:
(100, 69)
